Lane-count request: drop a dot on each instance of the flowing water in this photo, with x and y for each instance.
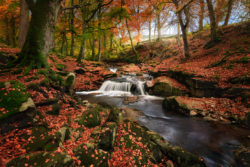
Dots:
(213, 141)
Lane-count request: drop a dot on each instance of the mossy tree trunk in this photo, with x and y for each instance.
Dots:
(24, 23)
(213, 25)
(39, 38)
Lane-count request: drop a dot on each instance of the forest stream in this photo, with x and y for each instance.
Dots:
(215, 142)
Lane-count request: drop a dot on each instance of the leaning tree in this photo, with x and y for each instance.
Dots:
(40, 32)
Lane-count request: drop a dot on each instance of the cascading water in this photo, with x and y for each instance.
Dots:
(123, 86)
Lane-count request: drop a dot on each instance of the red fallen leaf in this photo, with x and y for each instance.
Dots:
(47, 160)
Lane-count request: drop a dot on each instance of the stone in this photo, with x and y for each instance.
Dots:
(242, 156)
(26, 105)
(165, 86)
(42, 159)
(70, 82)
(108, 136)
(130, 99)
(89, 155)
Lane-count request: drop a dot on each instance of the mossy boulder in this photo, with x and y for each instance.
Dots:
(42, 159)
(41, 140)
(15, 99)
(242, 156)
(107, 137)
(89, 155)
(70, 82)
(115, 115)
(165, 86)
(173, 104)
(91, 117)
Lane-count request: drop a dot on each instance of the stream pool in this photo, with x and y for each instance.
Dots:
(213, 141)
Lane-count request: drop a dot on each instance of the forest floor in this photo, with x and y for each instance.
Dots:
(223, 67)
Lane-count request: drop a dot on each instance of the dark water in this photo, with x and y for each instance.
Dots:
(213, 141)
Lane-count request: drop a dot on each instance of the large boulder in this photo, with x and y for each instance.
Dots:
(211, 109)
(89, 155)
(42, 159)
(131, 68)
(165, 86)
(16, 106)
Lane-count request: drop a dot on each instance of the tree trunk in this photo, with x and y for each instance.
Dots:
(149, 30)
(229, 10)
(82, 50)
(201, 15)
(178, 32)
(24, 23)
(63, 42)
(13, 32)
(72, 51)
(7, 37)
(40, 33)
(213, 34)
(93, 48)
(184, 36)
(131, 41)
(159, 26)
(111, 42)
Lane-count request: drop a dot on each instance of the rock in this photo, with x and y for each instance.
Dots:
(242, 156)
(165, 86)
(89, 155)
(41, 140)
(70, 82)
(193, 113)
(108, 136)
(80, 71)
(108, 75)
(65, 134)
(16, 106)
(131, 68)
(130, 99)
(114, 115)
(91, 118)
(169, 163)
(42, 159)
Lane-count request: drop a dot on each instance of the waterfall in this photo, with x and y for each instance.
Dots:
(116, 86)
(123, 86)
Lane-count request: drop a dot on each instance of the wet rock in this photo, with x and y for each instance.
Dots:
(107, 137)
(130, 99)
(165, 86)
(42, 159)
(242, 156)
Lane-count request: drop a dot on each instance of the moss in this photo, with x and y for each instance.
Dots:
(31, 79)
(114, 115)
(107, 138)
(41, 140)
(60, 67)
(40, 159)
(69, 81)
(165, 89)
(11, 98)
(89, 155)
(18, 71)
(91, 118)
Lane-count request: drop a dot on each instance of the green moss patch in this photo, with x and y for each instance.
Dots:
(12, 95)
(42, 159)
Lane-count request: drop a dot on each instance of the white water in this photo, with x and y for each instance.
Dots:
(114, 70)
(124, 86)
